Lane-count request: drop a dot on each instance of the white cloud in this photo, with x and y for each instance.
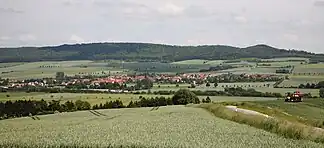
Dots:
(171, 21)
(27, 37)
(290, 37)
(241, 19)
(4, 38)
(76, 38)
(171, 9)
(319, 3)
(10, 10)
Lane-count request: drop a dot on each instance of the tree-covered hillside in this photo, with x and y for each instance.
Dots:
(145, 51)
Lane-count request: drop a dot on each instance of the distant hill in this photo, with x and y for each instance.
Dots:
(146, 51)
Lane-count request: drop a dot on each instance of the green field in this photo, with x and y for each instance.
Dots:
(258, 86)
(102, 98)
(85, 67)
(281, 64)
(296, 80)
(309, 68)
(285, 59)
(203, 87)
(172, 126)
(5, 65)
(310, 111)
(191, 62)
(49, 69)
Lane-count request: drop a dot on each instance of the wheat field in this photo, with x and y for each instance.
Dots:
(171, 126)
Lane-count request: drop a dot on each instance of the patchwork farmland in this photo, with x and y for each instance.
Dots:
(142, 126)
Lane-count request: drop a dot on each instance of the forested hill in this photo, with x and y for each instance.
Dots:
(145, 51)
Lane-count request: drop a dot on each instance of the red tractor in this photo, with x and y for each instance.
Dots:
(294, 97)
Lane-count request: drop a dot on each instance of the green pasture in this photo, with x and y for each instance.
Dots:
(5, 65)
(252, 70)
(258, 86)
(309, 108)
(281, 64)
(103, 97)
(49, 69)
(296, 80)
(91, 98)
(285, 59)
(191, 62)
(309, 68)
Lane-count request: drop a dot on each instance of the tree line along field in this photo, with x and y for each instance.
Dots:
(296, 80)
(258, 86)
(170, 126)
(103, 98)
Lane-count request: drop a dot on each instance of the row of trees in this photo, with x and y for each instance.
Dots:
(237, 92)
(231, 78)
(22, 108)
(217, 68)
(227, 92)
(312, 86)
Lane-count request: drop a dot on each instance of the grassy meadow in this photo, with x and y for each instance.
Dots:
(309, 68)
(259, 86)
(102, 98)
(296, 80)
(171, 126)
(310, 111)
(49, 69)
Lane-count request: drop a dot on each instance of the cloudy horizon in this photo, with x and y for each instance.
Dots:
(289, 24)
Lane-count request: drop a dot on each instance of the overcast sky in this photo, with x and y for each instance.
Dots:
(297, 24)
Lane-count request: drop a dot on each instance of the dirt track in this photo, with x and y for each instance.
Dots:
(246, 111)
(252, 112)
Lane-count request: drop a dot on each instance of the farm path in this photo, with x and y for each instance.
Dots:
(252, 112)
(246, 111)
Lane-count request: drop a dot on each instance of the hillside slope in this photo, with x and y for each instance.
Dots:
(145, 51)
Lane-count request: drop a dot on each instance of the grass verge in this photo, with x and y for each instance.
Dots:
(279, 126)
(309, 112)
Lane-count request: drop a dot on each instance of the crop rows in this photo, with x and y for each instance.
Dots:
(172, 126)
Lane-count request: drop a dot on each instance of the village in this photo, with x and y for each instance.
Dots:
(119, 82)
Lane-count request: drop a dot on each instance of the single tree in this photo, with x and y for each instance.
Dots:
(208, 99)
(193, 85)
(321, 92)
(184, 96)
(207, 84)
(215, 84)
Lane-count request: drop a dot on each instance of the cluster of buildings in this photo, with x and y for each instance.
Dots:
(121, 79)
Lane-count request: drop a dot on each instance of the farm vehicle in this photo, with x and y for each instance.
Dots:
(294, 97)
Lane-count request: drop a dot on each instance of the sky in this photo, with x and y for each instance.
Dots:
(289, 24)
